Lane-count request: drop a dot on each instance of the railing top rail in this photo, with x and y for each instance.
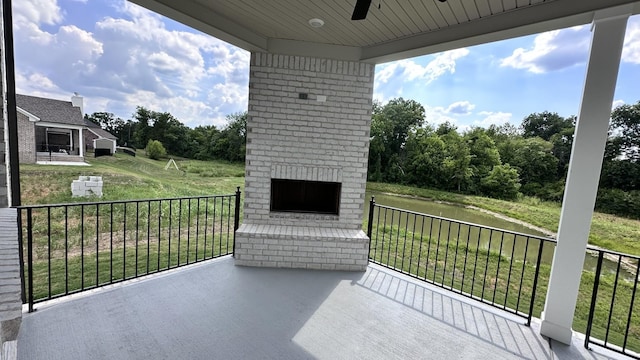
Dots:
(44, 206)
(516, 233)
(612, 252)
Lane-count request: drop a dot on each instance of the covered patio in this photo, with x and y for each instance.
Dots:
(309, 116)
(215, 310)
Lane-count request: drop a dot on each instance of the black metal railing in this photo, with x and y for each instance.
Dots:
(68, 248)
(497, 267)
(58, 149)
(614, 313)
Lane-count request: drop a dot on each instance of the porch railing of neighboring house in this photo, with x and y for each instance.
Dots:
(509, 270)
(58, 149)
(69, 248)
(614, 313)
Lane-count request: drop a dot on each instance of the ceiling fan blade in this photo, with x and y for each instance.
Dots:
(361, 9)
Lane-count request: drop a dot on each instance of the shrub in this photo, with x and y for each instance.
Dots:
(155, 150)
(502, 182)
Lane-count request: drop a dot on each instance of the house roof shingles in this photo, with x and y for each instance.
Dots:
(50, 110)
(96, 129)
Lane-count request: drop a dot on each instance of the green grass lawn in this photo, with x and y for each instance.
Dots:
(126, 178)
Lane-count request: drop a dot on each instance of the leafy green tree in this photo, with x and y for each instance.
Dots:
(456, 165)
(484, 155)
(231, 143)
(502, 182)
(391, 125)
(155, 150)
(544, 125)
(143, 119)
(426, 153)
(535, 161)
(625, 129)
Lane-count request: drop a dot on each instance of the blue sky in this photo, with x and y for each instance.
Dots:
(118, 56)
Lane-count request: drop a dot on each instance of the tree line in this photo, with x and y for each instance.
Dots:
(201, 143)
(502, 161)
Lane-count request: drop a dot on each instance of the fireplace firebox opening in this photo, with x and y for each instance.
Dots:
(317, 197)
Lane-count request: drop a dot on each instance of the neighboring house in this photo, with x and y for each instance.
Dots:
(97, 138)
(50, 130)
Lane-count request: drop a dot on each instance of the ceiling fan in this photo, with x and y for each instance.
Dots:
(362, 8)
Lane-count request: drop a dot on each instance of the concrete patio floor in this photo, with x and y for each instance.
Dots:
(216, 310)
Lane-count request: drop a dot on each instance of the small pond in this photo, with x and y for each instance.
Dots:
(461, 213)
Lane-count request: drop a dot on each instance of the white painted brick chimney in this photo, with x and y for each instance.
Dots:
(324, 137)
(78, 101)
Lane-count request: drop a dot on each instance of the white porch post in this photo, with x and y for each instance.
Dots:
(584, 172)
(81, 142)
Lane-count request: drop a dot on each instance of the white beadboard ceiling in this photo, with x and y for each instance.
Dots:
(393, 29)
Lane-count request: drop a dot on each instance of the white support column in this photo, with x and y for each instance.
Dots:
(81, 142)
(584, 172)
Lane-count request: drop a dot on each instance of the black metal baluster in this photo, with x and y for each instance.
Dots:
(475, 264)
(455, 257)
(170, 230)
(148, 234)
(97, 244)
(197, 228)
(213, 226)
(188, 229)
(221, 225)
(594, 296)
(159, 233)
(137, 231)
(420, 246)
(226, 249)
(179, 228)
(393, 212)
(206, 226)
(524, 265)
(513, 248)
(446, 252)
(495, 286)
(66, 249)
(613, 299)
(426, 264)
(413, 239)
(111, 243)
(633, 298)
(82, 247)
(535, 283)
(49, 249)
(124, 241)
(466, 255)
(486, 265)
(375, 248)
(30, 256)
(435, 263)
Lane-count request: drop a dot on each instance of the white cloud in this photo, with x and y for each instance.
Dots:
(631, 50)
(129, 59)
(409, 70)
(36, 12)
(553, 50)
(461, 108)
(493, 118)
(617, 103)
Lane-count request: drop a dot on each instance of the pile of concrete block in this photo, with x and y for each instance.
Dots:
(87, 186)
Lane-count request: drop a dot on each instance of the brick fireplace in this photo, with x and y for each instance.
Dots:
(306, 165)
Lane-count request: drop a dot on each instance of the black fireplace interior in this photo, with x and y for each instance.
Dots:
(317, 197)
